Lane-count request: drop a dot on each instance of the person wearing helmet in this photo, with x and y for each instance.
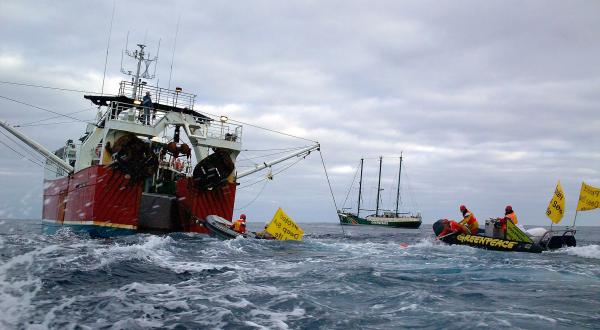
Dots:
(240, 224)
(468, 225)
(509, 215)
(264, 234)
(469, 221)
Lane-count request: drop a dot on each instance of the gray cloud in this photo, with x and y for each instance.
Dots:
(491, 102)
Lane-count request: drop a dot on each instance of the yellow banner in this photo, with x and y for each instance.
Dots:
(282, 227)
(589, 198)
(556, 208)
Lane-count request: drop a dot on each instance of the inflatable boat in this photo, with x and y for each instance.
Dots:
(220, 228)
(515, 239)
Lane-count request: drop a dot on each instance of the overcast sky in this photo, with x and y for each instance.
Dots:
(492, 102)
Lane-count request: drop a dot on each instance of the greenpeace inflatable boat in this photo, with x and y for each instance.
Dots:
(220, 228)
(534, 240)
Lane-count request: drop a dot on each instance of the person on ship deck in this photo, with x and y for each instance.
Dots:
(147, 104)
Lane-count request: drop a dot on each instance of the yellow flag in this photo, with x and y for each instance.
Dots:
(282, 227)
(556, 208)
(589, 198)
(513, 233)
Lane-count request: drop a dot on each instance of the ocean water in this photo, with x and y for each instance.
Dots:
(366, 279)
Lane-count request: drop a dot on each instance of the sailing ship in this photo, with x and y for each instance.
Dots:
(381, 217)
(132, 172)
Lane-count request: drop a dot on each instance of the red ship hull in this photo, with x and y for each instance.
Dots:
(103, 202)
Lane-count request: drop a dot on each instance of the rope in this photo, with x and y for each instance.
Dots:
(20, 154)
(49, 87)
(26, 150)
(351, 185)
(275, 153)
(53, 117)
(40, 108)
(330, 189)
(108, 46)
(275, 149)
(259, 127)
(25, 157)
(255, 197)
(53, 123)
(273, 174)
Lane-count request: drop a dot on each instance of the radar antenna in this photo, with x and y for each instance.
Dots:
(140, 57)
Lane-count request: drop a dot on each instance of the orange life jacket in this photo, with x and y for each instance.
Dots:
(513, 217)
(239, 226)
(470, 222)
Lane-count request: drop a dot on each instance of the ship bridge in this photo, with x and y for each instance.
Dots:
(148, 111)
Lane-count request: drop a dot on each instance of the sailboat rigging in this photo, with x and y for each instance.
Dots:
(387, 218)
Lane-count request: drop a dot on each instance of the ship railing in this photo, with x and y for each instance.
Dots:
(133, 113)
(140, 115)
(180, 165)
(224, 131)
(175, 98)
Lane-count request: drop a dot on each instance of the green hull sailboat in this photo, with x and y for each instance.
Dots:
(383, 218)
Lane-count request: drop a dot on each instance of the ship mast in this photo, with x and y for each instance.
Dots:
(398, 189)
(360, 186)
(140, 56)
(378, 187)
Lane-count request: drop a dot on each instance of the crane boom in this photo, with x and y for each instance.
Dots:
(37, 147)
(262, 166)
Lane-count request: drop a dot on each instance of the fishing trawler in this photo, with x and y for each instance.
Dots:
(131, 171)
(385, 217)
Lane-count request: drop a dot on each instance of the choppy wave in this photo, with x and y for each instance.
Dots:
(589, 251)
(364, 280)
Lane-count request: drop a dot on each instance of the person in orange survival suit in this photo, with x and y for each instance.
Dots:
(509, 215)
(467, 226)
(240, 224)
(469, 221)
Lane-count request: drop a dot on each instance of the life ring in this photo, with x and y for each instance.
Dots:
(97, 150)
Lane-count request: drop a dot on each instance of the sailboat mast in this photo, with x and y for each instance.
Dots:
(360, 187)
(398, 189)
(378, 188)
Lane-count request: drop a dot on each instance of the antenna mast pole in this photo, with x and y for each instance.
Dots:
(360, 187)
(140, 57)
(108, 46)
(398, 189)
(378, 188)
(173, 55)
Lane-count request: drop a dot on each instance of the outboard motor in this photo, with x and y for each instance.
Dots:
(439, 226)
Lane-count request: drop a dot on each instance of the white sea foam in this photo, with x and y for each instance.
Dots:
(424, 243)
(18, 286)
(276, 320)
(152, 249)
(587, 251)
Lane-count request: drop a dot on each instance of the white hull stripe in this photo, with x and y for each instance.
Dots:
(89, 223)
